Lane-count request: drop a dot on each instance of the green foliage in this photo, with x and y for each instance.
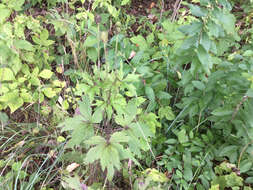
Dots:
(103, 111)
(171, 96)
(226, 177)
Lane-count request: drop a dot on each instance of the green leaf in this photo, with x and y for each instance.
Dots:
(227, 150)
(188, 174)
(171, 141)
(23, 44)
(6, 74)
(222, 112)
(49, 92)
(245, 166)
(71, 182)
(92, 54)
(3, 118)
(204, 58)
(15, 104)
(119, 137)
(97, 116)
(150, 38)
(182, 136)
(124, 2)
(5, 13)
(85, 107)
(110, 159)
(34, 81)
(163, 95)
(249, 180)
(96, 140)
(46, 74)
(199, 85)
(197, 11)
(140, 41)
(166, 112)
(80, 133)
(16, 5)
(150, 93)
(233, 180)
(95, 153)
(44, 35)
(248, 53)
(205, 41)
(190, 42)
(191, 29)
(91, 41)
(156, 176)
(228, 21)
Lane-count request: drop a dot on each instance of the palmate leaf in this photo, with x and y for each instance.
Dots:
(95, 153)
(80, 134)
(119, 137)
(96, 140)
(79, 130)
(85, 107)
(97, 116)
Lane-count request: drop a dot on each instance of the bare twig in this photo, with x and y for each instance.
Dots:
(162, 10)
(73, 49)
(176, 8)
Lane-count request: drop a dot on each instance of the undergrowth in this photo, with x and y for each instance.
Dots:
(110, 94)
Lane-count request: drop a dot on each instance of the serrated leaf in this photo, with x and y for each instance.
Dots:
(197, 11)
(119, 137)
(96, 140)
(191, 29)
(166, 112)
(140, 41)
(227, 150)
(85, 107)
(46, 74)
(80, 134)
(228, 21)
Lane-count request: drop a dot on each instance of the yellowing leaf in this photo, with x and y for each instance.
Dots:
(6, 74)
(14, 105)
(49, 92)
(46, 74)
